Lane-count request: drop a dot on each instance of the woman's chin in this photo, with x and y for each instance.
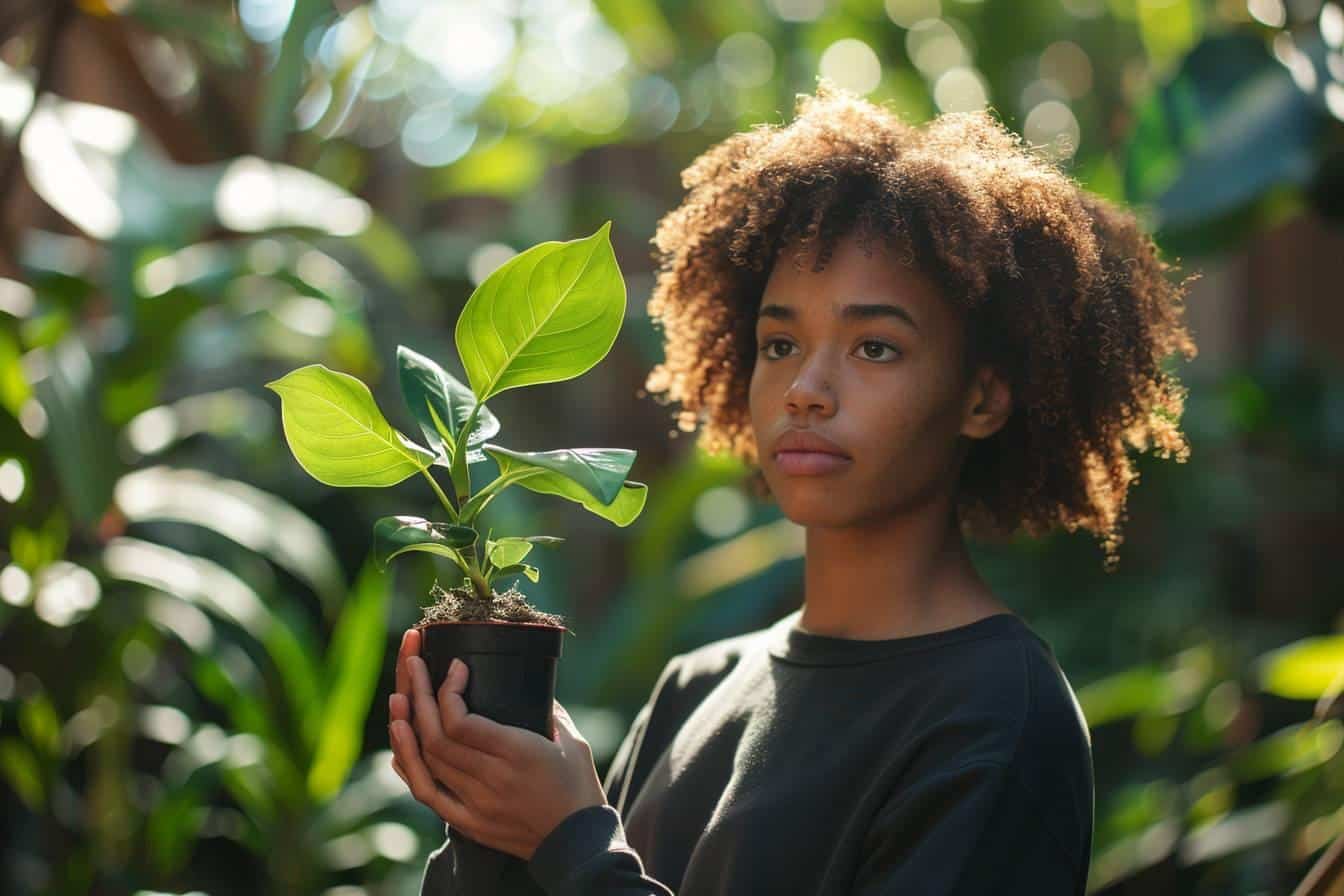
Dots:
(815, 510)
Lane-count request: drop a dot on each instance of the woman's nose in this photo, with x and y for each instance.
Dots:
(811, 388)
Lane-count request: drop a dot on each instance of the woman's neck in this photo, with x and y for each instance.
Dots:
(904, 576)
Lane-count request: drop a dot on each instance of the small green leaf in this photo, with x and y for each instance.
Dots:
(508, 551)
(441, 405)
(337, 433)
(548, 314)
(393, 535)
(530, 571)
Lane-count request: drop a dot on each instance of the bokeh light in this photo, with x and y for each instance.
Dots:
(851, 63)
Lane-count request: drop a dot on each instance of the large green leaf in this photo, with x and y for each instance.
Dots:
(352, 666)
(1230, 124)
(594, 477)
(393, 535)
(441, 405)
(337, 432)
(548, 314)
(67, 384)
(243, 513)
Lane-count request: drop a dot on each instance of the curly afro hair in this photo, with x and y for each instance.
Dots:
(1061, 290)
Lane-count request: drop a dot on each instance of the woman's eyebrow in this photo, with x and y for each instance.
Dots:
(849, 312)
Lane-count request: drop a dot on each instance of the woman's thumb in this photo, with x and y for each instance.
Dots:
(564, 728)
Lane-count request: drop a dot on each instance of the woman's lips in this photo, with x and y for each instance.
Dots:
(809, 463)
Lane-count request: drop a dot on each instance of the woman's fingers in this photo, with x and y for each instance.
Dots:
(410, 646)
(460, 764)
(408, 763)
(398, 707)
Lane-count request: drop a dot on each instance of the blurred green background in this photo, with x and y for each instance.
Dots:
(197, 196)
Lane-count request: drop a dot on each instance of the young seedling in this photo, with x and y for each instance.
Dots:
(548, 314)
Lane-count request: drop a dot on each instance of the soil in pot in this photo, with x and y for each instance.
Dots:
(462, 605)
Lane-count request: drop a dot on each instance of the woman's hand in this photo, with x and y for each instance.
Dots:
(503, 786)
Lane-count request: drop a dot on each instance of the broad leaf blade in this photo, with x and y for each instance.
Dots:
(548, 314)
(353, 663)
(593, 477)
(441, 406)
(337, 433)
(393, 535)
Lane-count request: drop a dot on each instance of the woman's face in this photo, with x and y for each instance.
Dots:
(868, 354)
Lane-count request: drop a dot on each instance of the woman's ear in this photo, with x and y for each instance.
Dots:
(989, 402)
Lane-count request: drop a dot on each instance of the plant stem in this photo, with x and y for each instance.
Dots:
(459, 470)
(452, 514)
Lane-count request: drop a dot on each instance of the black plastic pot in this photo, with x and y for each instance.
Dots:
(512, 681)
(512, 678)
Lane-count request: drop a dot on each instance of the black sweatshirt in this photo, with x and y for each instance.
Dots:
(786, 762)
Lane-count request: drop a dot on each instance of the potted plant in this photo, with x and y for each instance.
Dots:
(546, 315)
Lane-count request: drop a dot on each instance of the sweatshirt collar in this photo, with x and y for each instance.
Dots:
(787, 642)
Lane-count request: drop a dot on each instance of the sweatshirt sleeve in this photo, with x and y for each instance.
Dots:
(587, 852)
(968, 831)
(586, 855)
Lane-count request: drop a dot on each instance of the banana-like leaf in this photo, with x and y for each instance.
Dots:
(393, 535)
(202, 583)
(352, 666)
(337, 433)
(548, 314)
(441, 406)
(243, 513)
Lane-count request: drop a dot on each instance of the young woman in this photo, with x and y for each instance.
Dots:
(912, 335)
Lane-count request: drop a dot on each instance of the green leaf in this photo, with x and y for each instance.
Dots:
(1303, 670)
(393, 535)
(23, 772)
(337, 433)
(41, 726)
(507, 551)
(530, 571)
(593, 477)
(353, 664)
(243, 513)
(441, 405)
(548, 314)
(1225, 128)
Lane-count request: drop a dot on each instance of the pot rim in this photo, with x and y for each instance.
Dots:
(436, 622)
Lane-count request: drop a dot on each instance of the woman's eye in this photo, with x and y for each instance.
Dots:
(869, 355)
(881, 345)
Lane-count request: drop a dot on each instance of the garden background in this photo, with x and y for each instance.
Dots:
(197, 196)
